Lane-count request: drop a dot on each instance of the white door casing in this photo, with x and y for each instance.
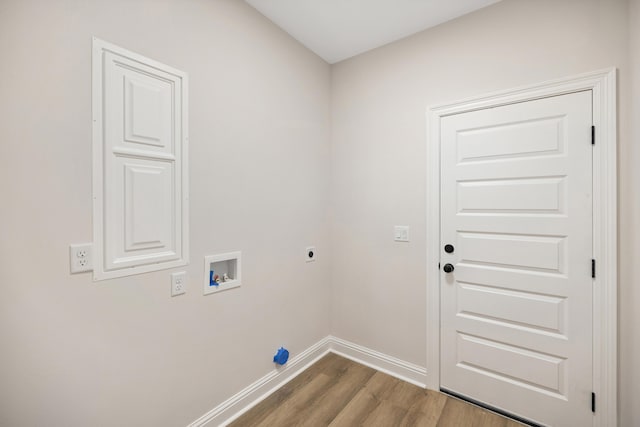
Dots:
(519, 251)
(140, 164)
(516, 321)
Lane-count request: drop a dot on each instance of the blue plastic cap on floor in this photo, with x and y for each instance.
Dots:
(281, 357)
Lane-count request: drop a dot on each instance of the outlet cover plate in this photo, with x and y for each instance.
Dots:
(178, 283)
(311, 254)
(81, 257)
(401, 233)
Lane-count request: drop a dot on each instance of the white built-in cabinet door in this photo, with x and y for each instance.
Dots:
(140, 164)
(516, 311)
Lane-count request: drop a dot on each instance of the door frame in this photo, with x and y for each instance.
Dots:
(605, 301)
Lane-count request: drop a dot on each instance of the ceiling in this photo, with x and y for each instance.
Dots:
(340, 29)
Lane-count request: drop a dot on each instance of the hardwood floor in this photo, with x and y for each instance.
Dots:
(337, 392)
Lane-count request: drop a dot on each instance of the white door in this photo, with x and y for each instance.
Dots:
(516, 205)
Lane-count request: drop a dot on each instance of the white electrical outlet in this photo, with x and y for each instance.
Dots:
(178, 283)
(81, 258)
(310, 254)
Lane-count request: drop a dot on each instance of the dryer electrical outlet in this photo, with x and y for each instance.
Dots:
(310, 254)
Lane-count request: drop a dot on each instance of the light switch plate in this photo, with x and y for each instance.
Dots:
(178, 283)
(401, 233)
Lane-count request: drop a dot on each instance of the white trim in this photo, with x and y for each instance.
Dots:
(241, 402)
(232, 408)
(99, 273)
(603, 85)
(390, 365)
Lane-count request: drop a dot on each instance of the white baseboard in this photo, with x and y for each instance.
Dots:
(236, 405)
(390, 365)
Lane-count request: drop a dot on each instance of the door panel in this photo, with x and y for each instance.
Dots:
(516, 203)
(510, 364)
(530, 309)
(517, 139)
(530, 252)
(531, 195)
(143, 183)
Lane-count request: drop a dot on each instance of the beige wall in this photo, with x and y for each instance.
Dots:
(379, 100)
(122, 352)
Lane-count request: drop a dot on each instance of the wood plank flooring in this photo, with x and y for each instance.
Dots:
(337, 392)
